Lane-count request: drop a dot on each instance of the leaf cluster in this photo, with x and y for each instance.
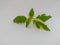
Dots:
(39, 21)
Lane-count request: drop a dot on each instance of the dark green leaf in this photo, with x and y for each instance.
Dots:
(43, 17)
(40, 24)
(27, 22)
(44, 26)
(31, 13)
(37, 24)
(19, 19)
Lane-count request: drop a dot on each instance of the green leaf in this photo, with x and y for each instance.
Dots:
(36, 23)
(43, 17)
(27, 22)
(19, 19)
(31, 13)
(39, 24)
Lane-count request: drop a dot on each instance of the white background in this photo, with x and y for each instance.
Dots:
(14, 34)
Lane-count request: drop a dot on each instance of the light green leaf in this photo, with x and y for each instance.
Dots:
(39, 25)
(43, 17)
(19, 19)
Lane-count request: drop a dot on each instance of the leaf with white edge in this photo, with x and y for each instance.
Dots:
(27, 22)
(43, 17)
(39, 25)
(31, 15)
(19, 19)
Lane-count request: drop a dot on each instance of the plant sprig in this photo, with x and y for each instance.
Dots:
(39, 21)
